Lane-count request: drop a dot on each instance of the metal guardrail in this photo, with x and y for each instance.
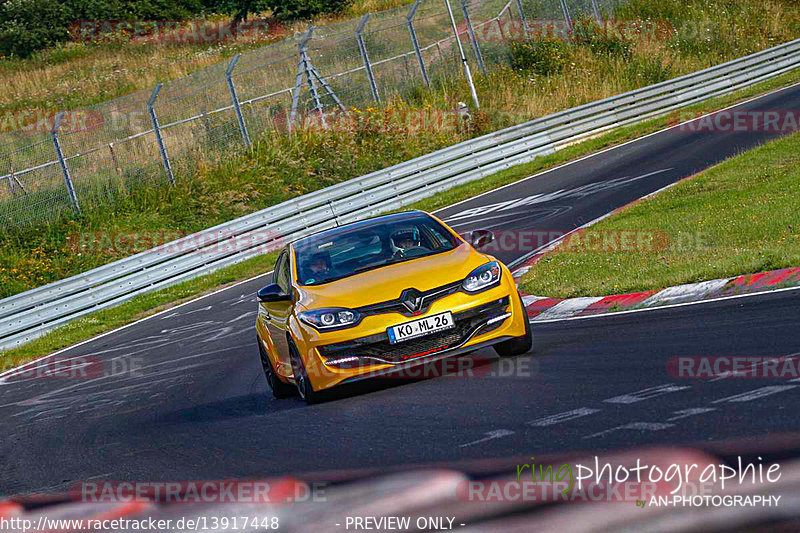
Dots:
(28, 315)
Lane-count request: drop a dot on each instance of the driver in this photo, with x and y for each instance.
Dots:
(405, 239)
(319, 265)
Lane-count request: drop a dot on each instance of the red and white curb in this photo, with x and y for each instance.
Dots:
(541, 308)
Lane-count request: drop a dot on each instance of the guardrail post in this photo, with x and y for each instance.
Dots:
(73, 198)
(157, 129)
(236, 106)
(472, 39)
(463, 56)
(363, 49)
(413, 33)
(522, 18)
(567, 18)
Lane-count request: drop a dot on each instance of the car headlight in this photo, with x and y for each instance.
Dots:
(482, 277)
(333, 318)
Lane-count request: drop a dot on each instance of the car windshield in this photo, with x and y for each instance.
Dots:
(367, 245)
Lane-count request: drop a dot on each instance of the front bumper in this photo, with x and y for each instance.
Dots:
(365, 351)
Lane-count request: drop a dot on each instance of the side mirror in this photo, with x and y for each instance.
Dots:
(480, 238)
(272, 293)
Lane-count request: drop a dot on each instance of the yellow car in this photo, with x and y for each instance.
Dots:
(379, 296)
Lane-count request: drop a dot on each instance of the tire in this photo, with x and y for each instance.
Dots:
(304, 387)
(279, 388)
(518, 346)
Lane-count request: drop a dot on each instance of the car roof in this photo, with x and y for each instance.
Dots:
(364, 224)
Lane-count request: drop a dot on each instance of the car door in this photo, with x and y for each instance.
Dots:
(277, 316)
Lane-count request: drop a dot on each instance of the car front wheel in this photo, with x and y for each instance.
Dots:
(279, 388)
(520, 345)
(304, 387)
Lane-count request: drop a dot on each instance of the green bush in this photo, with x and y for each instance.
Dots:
(30, 25)
(301, 9)
(540, 57)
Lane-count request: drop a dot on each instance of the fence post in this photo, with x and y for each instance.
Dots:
(596, 10)
(413, 33)
(305, 68)
(463, 56)
(236, 106)
(298, 84)
(11, 177)
(522, 18)
(73, 198)
(363, 48)
(114, 158)
(472, 39)
(157, 129)
(567, 18)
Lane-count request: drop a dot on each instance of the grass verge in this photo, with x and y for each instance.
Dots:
(738, 217)
(146, 305)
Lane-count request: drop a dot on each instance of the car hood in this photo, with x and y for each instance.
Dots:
(386, 283)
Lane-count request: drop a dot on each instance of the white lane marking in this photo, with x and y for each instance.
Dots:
(496, 434)
(689, 291)
(126, 326)
(562, 417)
(686, 413)
(646, 394)
(479, 214)
(200, 310)
(756, 393)
(615, 147)
(670, 306)
(242, 316)
(570, 307)
(552, 244)
(635, 426)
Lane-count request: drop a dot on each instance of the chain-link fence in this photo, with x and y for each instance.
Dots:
(129, 142)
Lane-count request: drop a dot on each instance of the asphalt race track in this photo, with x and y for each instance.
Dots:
(182, 396)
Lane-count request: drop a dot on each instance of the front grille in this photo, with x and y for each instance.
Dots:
(377, 349)
(396, 305)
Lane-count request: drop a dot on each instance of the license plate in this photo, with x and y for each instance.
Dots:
(421, 327)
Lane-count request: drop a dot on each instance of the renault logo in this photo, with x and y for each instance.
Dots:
(411, 300)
